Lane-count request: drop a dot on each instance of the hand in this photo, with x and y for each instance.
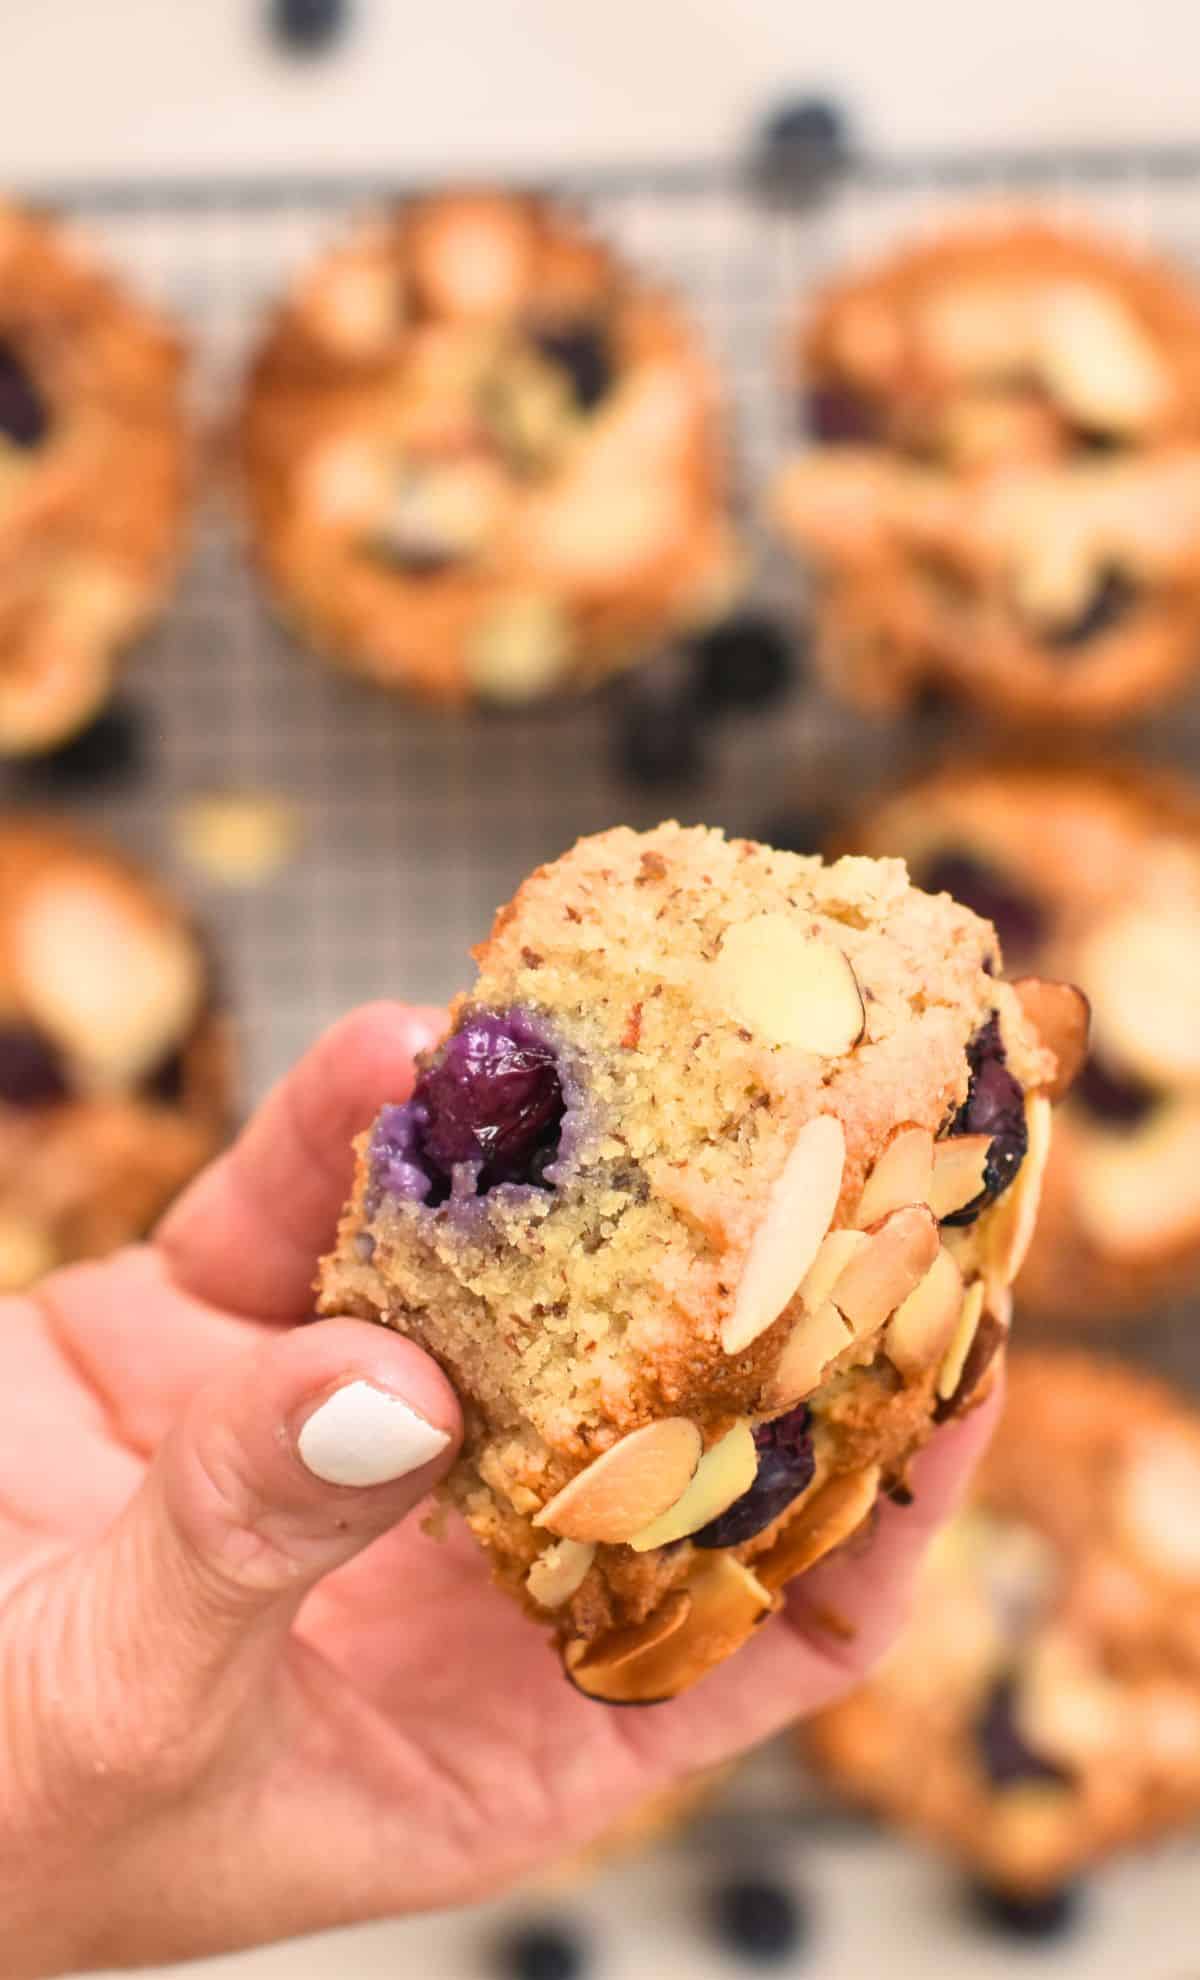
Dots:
(242, 1703)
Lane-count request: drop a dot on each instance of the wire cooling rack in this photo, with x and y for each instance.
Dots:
(416, 826)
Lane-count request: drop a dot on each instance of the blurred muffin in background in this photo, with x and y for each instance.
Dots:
(1002, 498)
(482, 459)
(93, 473)
(1092, 875)
(114, 1066)
(1043, 1706)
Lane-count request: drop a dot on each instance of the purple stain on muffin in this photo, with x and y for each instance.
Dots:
(1007, 1756)
(582, 351)
(24, 415)
(1018, 919)
(487, 1109)
(995, 1106)
(837, 416)
(32, 1073)
(786, 1463)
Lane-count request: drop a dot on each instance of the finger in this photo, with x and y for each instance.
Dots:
(248, 1233)
(854, 1606)
(278, 1472)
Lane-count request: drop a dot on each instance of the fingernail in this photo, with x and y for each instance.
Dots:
(363, 1436)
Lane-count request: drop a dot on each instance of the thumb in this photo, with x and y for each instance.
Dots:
(278, 1472)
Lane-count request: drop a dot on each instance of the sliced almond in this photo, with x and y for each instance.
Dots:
(835, 1254)
(798, 1215)
(520, 649)
(1136, 1193)
(958, 1164)
(1007, 1228)
(922, 1327)
(873, 1285)
(954, 1361)
(628, 1485)
(821, 1523)
(622, 1647)
(723, 1606)
(1061, 1015)
(1097, 360)
(559, 1572)
(117, 987)
(902, 1175)
(238, 838)
(816, 1340)
(989, 1337)
(1142, 969)
(722, 1475)
(789, 986)
(1159, 1507)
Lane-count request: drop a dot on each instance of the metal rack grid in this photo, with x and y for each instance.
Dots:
(416, 825)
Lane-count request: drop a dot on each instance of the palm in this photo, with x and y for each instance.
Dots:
(416, 1742)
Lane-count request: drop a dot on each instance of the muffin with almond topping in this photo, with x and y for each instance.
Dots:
(708, 1202)
(482, 458)
(1003, 495)
(1093, 873)
(93, 468)
(114, 1065)
(1042, 1709)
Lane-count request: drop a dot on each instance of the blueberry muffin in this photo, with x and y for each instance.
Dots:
(114, 1076)
(1094, 874)
(1003, 495)
(92, 480)
(708, 1203)
(482, 458)
(1043, 1707)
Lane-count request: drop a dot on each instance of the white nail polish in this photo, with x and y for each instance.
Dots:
(362, 1436)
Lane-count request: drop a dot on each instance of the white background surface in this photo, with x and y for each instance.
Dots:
(146, 85)
(139, 87)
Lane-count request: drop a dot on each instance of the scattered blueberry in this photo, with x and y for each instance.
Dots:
(803, 145)
(1112, 601)
(582, 351)
(837, 416)
(785, 1469)
(1120, 1098)
(657, 737)
(745, 662)
(491, 1100)
(995, 1106)
(31, 1069)
(544, 1949)
(760, 1920)
(1046, 1915)
(1018, 919)
(24, 415)
(797, 831)
(308, 26)
(111, 751)
(1009, 1759)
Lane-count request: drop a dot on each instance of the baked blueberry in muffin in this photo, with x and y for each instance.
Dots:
(482, 457)
(1003, 494)
(709, 1203)
(1043, 1707)
(1090, 873)
(92, 480)
(114, 1065)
